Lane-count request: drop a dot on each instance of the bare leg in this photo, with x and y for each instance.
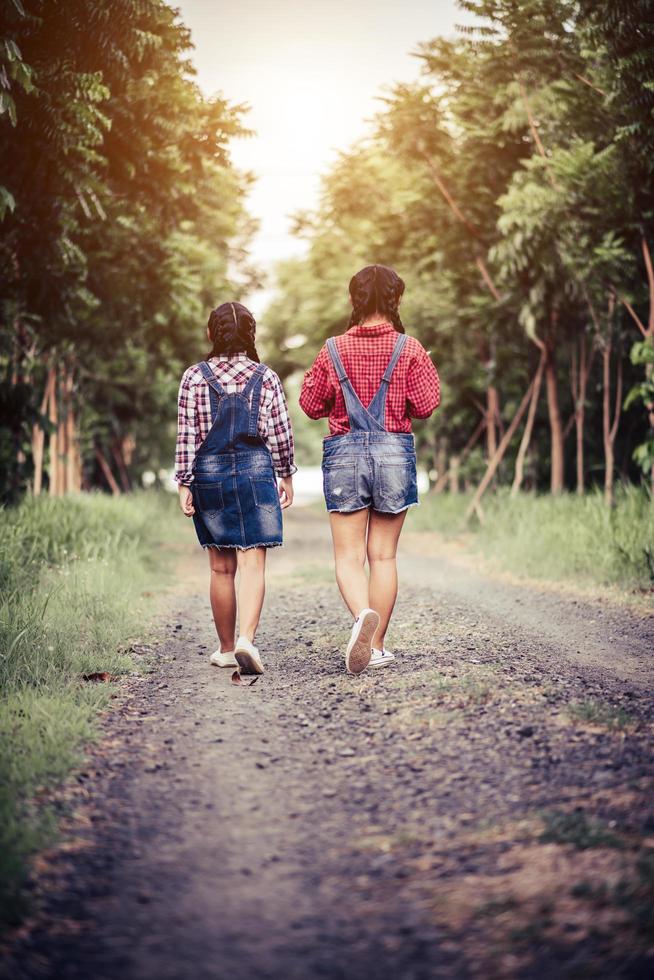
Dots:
(383, 535)
(349, 536)
(251, 590)
(223, 595)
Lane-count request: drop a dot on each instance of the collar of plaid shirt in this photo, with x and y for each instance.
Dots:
(241, 356)
(374, 330)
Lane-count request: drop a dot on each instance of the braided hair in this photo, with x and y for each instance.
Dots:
(232, 329)
(376, 289)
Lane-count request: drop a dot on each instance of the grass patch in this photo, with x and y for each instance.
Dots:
(73, 573)
(633, 893)
(496, 906)
(474, 690)
(600, 713)
(556, 538)
(577, 829)
(636, 894)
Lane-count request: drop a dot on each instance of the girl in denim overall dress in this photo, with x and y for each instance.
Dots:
(370, 382)
(234, 437)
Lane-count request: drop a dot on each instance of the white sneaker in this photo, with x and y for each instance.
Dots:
(247, 657)
(381, 658)
(219, 659)
(359, 649)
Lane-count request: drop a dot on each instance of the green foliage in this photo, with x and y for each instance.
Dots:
(120, 227)
(571, 538)
(72, 579)
(578, 830)
(496, 186)
(599, 713)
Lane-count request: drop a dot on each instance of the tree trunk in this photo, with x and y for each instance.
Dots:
(610, 426)
(444, 478)
(454, 474)
(106, 471)
(72, 447)
(501, 449)
(62, 438)
(53, 418)
(529, 426)
(441, 465)
(117, 453)
(582, 360)
(492, 415)
(38, 436)
(554, 413)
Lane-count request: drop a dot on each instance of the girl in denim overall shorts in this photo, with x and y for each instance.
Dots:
(370, 382)
(234, 435)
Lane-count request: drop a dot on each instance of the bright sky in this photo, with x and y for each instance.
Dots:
(311, 71)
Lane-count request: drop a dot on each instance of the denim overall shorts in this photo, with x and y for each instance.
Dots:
(234, 488)
(368, 466)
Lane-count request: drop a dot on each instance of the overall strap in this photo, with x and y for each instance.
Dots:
(253, 386)
(332, 350)
(377, 407)
(395, 356)
(216, 391)
(359, 418)
(210, 378)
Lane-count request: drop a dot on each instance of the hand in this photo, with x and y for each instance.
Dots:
(286, 491)
(186, 501)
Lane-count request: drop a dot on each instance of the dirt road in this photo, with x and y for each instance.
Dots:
(484, 808)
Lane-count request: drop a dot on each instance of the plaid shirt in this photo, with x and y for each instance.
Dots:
(194, 413)
(414, 391)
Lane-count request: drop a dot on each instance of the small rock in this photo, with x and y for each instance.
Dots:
(526, 731)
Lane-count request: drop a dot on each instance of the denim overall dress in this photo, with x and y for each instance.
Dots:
(368, 466)
(234, 488)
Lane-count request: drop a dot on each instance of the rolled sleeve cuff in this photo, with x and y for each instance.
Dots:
(288, 470)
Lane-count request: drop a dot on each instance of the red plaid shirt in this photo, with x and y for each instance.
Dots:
(194, 413)
(414, 391)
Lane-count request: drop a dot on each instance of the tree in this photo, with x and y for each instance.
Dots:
(126, 223)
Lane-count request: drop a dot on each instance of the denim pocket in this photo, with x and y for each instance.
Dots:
(398, 482)
(208, 497)
(339, 482)
(264, 490)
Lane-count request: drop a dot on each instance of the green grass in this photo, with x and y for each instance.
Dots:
(577, 829)
(556, 538)
(599, 713)
(72, 574)
(634, 893)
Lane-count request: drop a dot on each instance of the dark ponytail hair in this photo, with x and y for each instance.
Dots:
(232, 329)
(376, 289)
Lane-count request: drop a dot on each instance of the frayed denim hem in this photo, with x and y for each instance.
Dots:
(400, 511)
(356, 510)
(245, 547)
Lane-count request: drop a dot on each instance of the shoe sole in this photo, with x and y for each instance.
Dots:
(232, 664)
(384, 663)
(357, 656)
(247, 663)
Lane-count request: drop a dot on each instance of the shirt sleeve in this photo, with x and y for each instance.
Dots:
(279, 434)
(423, 393)
(317, 395)
(186, 430)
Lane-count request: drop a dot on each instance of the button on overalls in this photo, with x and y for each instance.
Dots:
(234, 488)
(369, 466)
